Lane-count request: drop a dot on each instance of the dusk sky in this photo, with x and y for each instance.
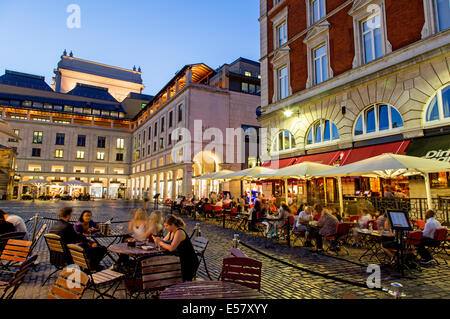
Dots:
(159, 36)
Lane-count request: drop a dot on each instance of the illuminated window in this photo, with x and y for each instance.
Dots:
(59, 154)
(120, 143)
(247, 73)
(80, 154)
(37, 137)
(100, 156)
(14, 139)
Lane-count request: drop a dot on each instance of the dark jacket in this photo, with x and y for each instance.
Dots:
(6, 227)
(67, 232)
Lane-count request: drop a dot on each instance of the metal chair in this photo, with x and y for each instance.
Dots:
(200, 244)
(58, 254)
(10, 287)
(105, 277)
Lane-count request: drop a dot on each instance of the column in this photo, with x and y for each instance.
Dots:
(174, 184)
(19, 195)
(107, 188)
(187, 180)
(165, 186)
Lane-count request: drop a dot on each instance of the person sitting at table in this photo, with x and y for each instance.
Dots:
(18, 223)
(388, 243)
(327, 227)
(362, 223)
(281, 215)
(5, 227)
(427, 237)
(254, 215)
(178, 242)
(64, 228)
(381, 220)
(388, 192)
(138, 226)
(85, 224)
(317, 211)
(304, 217)
(155, 224)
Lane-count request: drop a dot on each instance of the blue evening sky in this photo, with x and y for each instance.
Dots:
(161, 36)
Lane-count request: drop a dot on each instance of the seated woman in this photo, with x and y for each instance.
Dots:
(283, 214)
(85, 224)
(155, 225)
(138, 226)
(178, 242)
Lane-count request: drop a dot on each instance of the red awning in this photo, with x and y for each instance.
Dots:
(279, 163)
(323, 158)
(360, 153)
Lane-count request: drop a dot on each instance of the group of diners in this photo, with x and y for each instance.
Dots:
(140, 229)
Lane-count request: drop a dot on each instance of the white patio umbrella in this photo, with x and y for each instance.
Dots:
(36, 182)
(304, 170)
(74, 183)
(246, 174)
(389, 166)
(214, 175)
(7, 131)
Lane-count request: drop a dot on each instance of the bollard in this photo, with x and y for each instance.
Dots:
(197, 230)
(396, 290)
(236, 241)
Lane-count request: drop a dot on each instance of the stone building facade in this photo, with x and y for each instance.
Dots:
(346, 80)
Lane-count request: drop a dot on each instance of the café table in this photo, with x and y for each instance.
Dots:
(112, 237)
(136, 252)
(210, 290)
(374, 239)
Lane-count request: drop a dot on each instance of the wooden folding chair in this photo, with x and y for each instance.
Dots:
(70, 284)
(38, 236)
(15, 253)
(10, 287)
(200, 244)
(158, 273)
(107, 277)
(58, 254)
(244, 271)
(7, 236)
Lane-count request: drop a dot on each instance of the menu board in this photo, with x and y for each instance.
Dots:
(399, 220)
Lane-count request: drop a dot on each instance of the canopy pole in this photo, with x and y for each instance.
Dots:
(341, 197)
(428, 190)
(286, 197)
(325, 190)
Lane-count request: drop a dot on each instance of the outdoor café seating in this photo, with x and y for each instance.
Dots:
(10, 287)
(68, 286)
(105, 278)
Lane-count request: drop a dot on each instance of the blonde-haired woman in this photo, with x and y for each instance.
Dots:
(138, 226)
(155, 224)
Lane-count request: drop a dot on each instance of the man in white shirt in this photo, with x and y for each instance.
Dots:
(428, 236)
(304, 218)
(18, 223)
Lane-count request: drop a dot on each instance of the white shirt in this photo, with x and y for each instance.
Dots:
(431, 225)
(303, 217)
(19, 224)
(363, 220)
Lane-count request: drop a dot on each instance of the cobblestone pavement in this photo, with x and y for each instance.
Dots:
(303, 280)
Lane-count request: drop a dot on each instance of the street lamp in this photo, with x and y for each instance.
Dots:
(288, 112)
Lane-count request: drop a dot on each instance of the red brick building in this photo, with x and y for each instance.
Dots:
(349, 79)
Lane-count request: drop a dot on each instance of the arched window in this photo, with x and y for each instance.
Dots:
(377, 118)
(322, 131)
(438, 108)
(284, 141)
